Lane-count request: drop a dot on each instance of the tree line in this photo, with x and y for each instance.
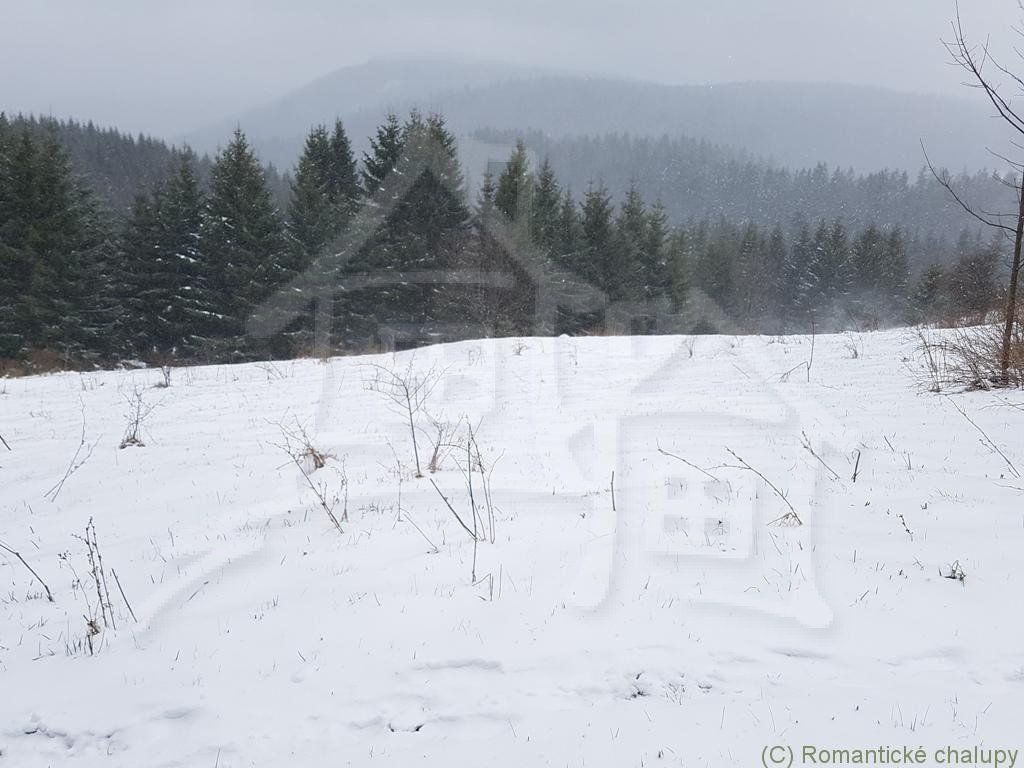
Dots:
(696, 179)
(204, 248)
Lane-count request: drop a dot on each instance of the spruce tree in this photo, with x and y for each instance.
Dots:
(545, 206)
(141, 293)
(868, 260)
(677, 258)
(193, 315)
(927, 301)
(61, 238)
(798, 281)
(17, 201)
(713, 265)
(597, 263)
(656, 253)
(776, 255)
(314, 218)
(244, 241)
(895, 276)
(427, 230)
(485, 198)
(570, 237)
(830, 268)
(385, 152)
(512, 197)
(631, 270)
(343, 187)
(751, 288)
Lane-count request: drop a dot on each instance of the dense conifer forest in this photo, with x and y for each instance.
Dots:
(116, 249)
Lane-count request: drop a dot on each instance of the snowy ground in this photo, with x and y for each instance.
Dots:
(689, 626)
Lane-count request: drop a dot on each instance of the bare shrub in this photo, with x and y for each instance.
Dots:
(955, 573)
(932, 370)
(408, 393)
(165, 380)
(853, 345)
(138, 411)
(481, 524)
(98, 574)
(299, 446)
(442, 441)
(307, 459)
(969, 358)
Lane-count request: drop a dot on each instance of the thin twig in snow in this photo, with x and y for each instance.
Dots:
(10, 551)
(465, 527)
(74, 465)
(792, 514)
(123, 596)
(406, 518)
(986, 440)
(805, 441)
(690, 464)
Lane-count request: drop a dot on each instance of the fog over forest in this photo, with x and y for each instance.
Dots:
(604, 383)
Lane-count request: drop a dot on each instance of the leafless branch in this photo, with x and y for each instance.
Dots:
(791, 517)
(462, 522)
(13, 553)
(123, 596)
(985, 439)
(408, 392)
(690, 464)
(805, 441)
(967, 57)
(74, 464)
(319, 491)
(942, 177)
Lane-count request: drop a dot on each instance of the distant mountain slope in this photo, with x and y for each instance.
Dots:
(695, 179)
(795, 124)
(118, 166)
(368, 90)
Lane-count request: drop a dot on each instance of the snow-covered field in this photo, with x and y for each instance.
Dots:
(679, 619)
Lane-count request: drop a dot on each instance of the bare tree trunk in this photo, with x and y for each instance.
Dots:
(1011, 296)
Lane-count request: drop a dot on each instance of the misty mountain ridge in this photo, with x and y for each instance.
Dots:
(792, 124)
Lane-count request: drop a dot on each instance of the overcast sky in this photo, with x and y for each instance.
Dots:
(169, 66)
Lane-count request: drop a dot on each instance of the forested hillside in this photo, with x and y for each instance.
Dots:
(391, 250)
(695, 179)
(118, 166)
